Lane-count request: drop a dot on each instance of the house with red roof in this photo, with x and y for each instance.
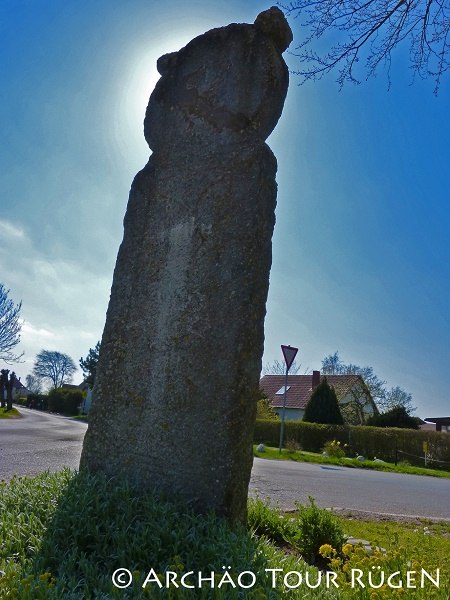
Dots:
(354, 397)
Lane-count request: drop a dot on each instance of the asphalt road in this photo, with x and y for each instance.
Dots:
(39, 441)
(351, 489)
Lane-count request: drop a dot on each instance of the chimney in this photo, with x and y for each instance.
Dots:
(315, 379)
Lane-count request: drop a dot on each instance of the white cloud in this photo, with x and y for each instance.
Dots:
(9, 230)
(32, 332)
(63, 302)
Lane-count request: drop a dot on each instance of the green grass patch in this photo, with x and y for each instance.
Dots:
(82, 418)
(9, 414)
(311, 457)
(424, 540)
(63, 535)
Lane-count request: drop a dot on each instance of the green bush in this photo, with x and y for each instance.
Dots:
(264, 410)
(264, 520)
(335, 449)
(396, 417)
(65, 401)
(39, 401)
(307, 530)
(315, 527)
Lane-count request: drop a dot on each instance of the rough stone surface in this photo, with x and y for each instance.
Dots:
(178, 374)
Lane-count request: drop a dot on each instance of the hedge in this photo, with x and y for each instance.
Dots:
(33, 401)
(387, 443)
(65, 401)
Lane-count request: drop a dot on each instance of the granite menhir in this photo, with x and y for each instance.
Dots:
(180, 359)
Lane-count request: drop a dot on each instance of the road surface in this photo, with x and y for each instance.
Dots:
(40, 441)
(351, 489)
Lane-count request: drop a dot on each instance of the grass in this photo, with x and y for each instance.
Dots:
(311, 457)
(9, 414)
(423, 538)
(63, 535)
(83, 418)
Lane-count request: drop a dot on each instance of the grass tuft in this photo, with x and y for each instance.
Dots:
(13, 413)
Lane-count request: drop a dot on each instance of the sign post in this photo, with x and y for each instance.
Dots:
(289, 354)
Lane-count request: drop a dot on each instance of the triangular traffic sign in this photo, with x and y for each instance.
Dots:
(289, 354)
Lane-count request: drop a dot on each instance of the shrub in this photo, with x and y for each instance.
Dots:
(39, 401)
(65, 401)
(293, 446)
(323, 405)
(316, 527)
(264, 520)
(396, 417)
(264, 409)
(335, 449)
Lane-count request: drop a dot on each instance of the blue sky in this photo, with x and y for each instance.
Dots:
(361, 259)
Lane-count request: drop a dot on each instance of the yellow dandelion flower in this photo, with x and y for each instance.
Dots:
(347, 549)
(327, 551)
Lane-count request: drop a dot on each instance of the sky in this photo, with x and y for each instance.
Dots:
(361, 258)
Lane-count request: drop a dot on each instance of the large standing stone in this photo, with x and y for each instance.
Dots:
(178, 374)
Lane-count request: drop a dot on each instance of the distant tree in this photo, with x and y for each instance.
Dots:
(57, 367)
(333, 365)
(10, 390)
(371, 30)
(10, 326)
(89, 364)
(7, 382)
(395, 417)
(356, 403)
(279, 368)
(33, 384)
(3, 384)
(397, 397)
(323, 406)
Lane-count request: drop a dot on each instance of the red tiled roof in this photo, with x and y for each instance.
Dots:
(300, 387)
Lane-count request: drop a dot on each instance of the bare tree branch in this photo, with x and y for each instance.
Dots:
(372, 29)
(10, 326)
(55, 366)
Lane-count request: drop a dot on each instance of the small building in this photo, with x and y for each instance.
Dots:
(19, 390)
(440, 423)
(353, 395)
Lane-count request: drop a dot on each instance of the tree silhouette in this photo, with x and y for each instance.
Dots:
(89, 364)
(323, 406)
(55, 366)
(10, 326)
(369, 31)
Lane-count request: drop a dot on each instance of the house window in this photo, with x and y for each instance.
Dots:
(281, 390)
